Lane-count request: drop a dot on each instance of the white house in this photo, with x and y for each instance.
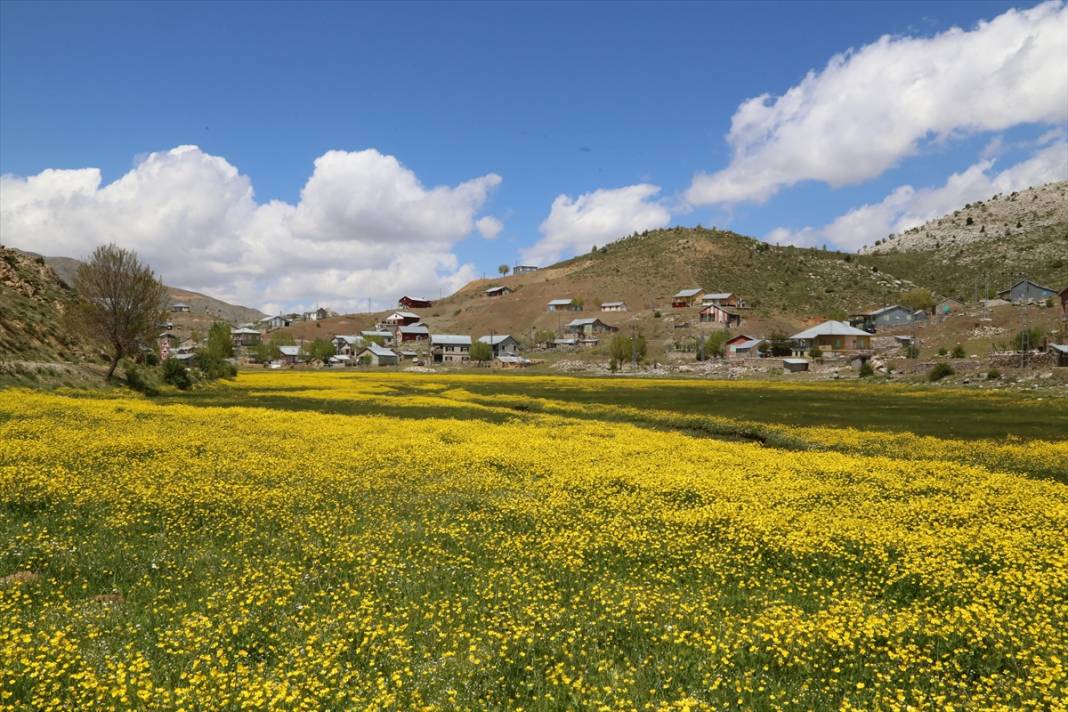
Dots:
(450, 348)
(613, 306)
(501, 344)
(376, 355)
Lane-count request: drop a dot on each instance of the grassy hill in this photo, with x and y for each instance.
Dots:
(984, 246)
(33, 300)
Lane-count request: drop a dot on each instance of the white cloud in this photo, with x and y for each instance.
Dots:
(364, 227)
(908, 207)
(576, 225)
(872, 107)
(489, 227)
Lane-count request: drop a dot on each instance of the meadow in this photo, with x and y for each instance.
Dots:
(408, 541)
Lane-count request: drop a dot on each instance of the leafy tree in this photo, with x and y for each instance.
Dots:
(1028, 339)
(544, 337)
(779, 344)
(481, 352)
(503, 269)
(220, 343)
(866, 370)
(321, 350)
(120, 302)
(713, 346)
(918, 298)
(624, 349)
(265, 351)
(177, 374)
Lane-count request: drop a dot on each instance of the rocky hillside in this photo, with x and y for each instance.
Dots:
(33, 300)
(984, 246)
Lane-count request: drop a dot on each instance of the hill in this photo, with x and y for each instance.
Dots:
(33, 300)
(984, 246)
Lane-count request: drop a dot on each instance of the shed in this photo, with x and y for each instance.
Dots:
(794, 364)
(498, 291)
(566, 304)
(613, 306)
(524, 269)
(1027, 291)
(375, 355)
(1059, 353)
(686, 297)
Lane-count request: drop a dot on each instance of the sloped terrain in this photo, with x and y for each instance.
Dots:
(33, 300)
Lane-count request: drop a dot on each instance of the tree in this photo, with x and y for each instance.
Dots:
(918, 298)
(713, 346)
(220, 343)
(624, 349)
(779, 344)
(265, 351)
(481, 352)
(503, 269)
(544, 337)
(321, 350)
(120, 302)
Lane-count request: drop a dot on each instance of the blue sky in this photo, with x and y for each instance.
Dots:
(554, 98)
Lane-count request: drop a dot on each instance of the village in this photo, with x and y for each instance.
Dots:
(712, 333)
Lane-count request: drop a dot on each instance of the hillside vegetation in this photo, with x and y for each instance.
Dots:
(33, 300)
(984, 246)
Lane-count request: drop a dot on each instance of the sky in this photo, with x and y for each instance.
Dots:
(286, 156)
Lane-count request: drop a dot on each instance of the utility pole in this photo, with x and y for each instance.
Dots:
(634, 347)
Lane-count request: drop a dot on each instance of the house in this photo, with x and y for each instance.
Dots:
(289, 354)
(564, 305)
(168, 338)
(833, 336)
(1027, 291)
(346, 345)
(722, 299)
(613, 306)
(511, 362)
(686, 297)
(720, 315)
(273, 322)
(523, 269)
(245, 336)
(446, 348)
(414, 302)
(316, 315)
(1059, 352)
(408, 355)
(588, 327)
(180, 307)
(401, 318)
(894, 315)
(412, 332)
(794, 364)
(501, 344)
(498, 291)
(375, 355)
(948, 306)
(742, 346)
(385, 337)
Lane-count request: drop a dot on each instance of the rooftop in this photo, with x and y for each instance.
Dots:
(495, 339)
(450, 339)
(829, 328)
(689, 292)
(560, 302)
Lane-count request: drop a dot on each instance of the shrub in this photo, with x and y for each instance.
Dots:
(816, 352)
(142, 379)
(866, 370)
(656, 314)
(1028, 339)
(939, 371)
(213, 368)
(993, 374)
(958, 352)
(176, 374)
(942, 351)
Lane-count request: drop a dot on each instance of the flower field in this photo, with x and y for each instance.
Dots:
(400, 541)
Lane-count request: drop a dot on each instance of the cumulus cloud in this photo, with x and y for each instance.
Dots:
(489, 227)
(907, 207)
(869, 108)
(364, 227)
(576, 225)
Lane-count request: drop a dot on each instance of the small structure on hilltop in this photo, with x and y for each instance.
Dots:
(723, 299)
(893, 315)
(832, 336)
(501, 344)
(588, 327)
(245, 336)
(613, 307)
(413, 332)
(375, 355)
(180, 307)
(686, 297)
(1027, 291)
(948, 306)
(401, 318)
(498, 291)
(450, 348)
(524, 269)
(720, 315)
(566, 304)
(414, 302)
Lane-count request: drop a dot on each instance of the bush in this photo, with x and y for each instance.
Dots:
(816, 352)
(213, 368)
(142, 379)
(993, 374)
(151, 359)
(866, 370)
(958, 352)
(940, 371)
(942, 351)
(656, 314)
(176, 374)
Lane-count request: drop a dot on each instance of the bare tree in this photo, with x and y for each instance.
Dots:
(120, 302)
